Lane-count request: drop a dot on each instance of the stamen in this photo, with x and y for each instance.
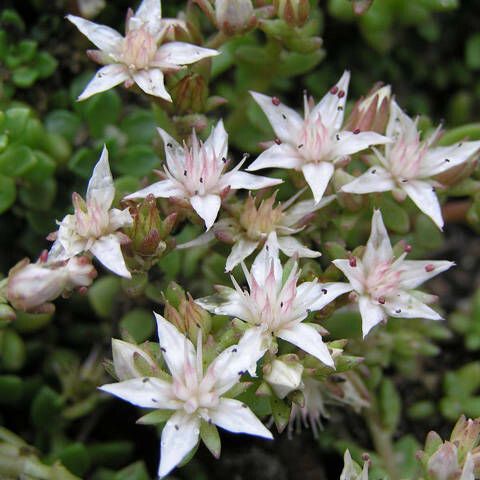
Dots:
(334, 90)
(429, 268)
(276, 101)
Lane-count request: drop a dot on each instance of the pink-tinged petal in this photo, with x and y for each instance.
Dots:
(331, 107)
(174, 154)
(203, 239)
(309, 340)
(355, 274)
(286, 122)
(440, 159)
(108, 252)
(207, 207)
(152, 82)
(179, 437)
(100, 187)
(424, 197)
(317, 175)
(404, 305)
(240, 251)
(150, 14)
(180, 53)
(119, 218)
(105, 38)
(237, 180)
(372, 314)
(290, 246)
(375, 179)
(468, 471)
(236, 417)
(163, 189)
(277, 156)
(176, 348)
(379, 248)
(416, 272)
(301, 209)
(217, 141)
(265, 260)
(124, 355)
(106, 78)
(327, 292)
(147, 392)
(351, 143)
(226, 302)
(400, 124)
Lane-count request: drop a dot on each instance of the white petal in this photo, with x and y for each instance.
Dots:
(355, 275)
(298, 211)
(331, 107)
(328, 293)
(267, 257)
(286, 122)
(151, 81)
(440, 159)
(180, 53)
(207, 207)
(203, 239)
(108, 252)
(405, 305)
(351, 143)
(290, 246)
(151, 393)
(375, 179)
(119, 218)
(237, 180)
(176, 348)
(372, 314)
(124, 354)
(179, 438)
(174, 154)
(107, 77)
(317, 175)
(105, 38)
(240, 251)
(468, 471)
(236, 417)
(163, 189)
(218, 141)
(150, 14)
(425, 199)
(400, 124)
(416, 272)
(227, 302)
(278, 156)
(100, 187)
(379, 248)
(309, 340)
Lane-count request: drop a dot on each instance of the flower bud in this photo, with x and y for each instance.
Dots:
(190, 94)
(294, 12)
(466, 435)
(125, 360)
(195, 317)
(234, 16)
(284, 374)
(443, 464)
(371, 113)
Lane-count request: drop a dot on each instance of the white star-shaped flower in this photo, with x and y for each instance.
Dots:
(275, 306)
(193, 394)
(409, 165)
(196, 174)
(316, 143)
(137, 57)
(385, 284)
(94, 225)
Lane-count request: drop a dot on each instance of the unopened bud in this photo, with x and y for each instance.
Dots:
(234, 16)
(195, 317)
(190, 94)
(126, 363)
(284, 375)
(294, 12)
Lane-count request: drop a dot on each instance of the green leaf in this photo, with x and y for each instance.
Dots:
(139, 127)
(211, 438)
(44, 64)
(16, 161)
(394, 216)
(103, 295)
(39, 196)
(139, 324)
(83, 161)
(135, 471)
(31, 322)
(280, 412)
(101, 111)
(45, 410)
(43, 168)
(63, 122)
(8, 193)
(156, 417)
(12, 351)
(76, 458)
(16, 121)
(472, 52)
(24, 77)
(138, 160)
(11, 387)
(111, 454)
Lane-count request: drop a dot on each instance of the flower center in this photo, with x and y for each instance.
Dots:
(406, 159)
(139, 48)
(382, 281)
(92, 223)
(315, 141)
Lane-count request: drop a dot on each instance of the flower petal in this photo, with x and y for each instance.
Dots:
(203, 239)
(400, 124)
(180, 53)
(301, 209)
(424, 197)
(278, 156)
(218, 141)
(375, 179)
(100, 187)
(328, 293)
(240, 251)
(174, 154)
(372, 314)
(105, 38)
(124, 354)
(317, 175)
(290, 246)
(119, 218)
(264, 261)
(152, 82)
(309, 340)
(405, 305)
(108, 252)
(107, 77)
(207, 207)
(147, 392)
(179, 438)
(286, 122)
(351, 143)
(150, 14)
(440, 159)
(355, 275)
(379, 248)
(176, 348)
(236, 417)
(237, 180)
(416, 272)
(163, 189)
(227, 302)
